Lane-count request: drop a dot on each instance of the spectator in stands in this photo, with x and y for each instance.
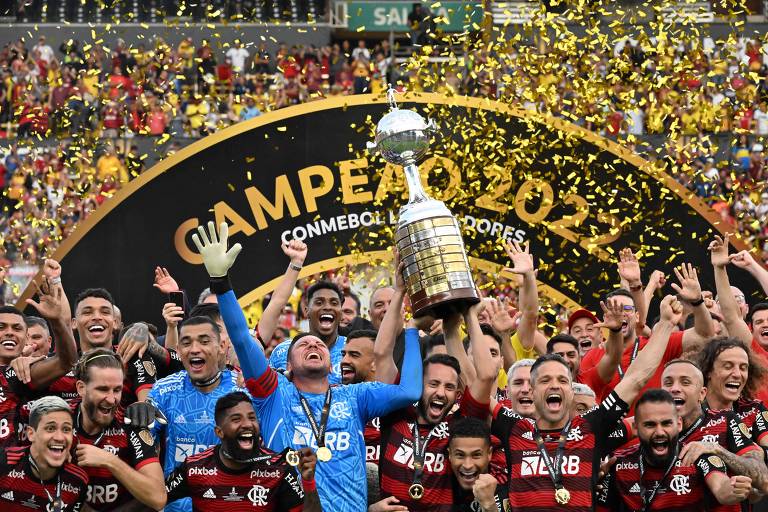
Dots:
(250, 110)
(238, 56)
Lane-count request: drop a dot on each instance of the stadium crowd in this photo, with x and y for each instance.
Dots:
(97, 100)
(477, 411)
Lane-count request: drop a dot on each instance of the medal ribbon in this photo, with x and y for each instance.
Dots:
(648, 499)
(318, 430)
(631, 359)
(419, 451)
(57, 502)
(252, 460)
(690, 430)
(554, 467)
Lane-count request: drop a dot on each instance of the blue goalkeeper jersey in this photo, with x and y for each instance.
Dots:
(341, 481)
(190, 416)
(278, 359)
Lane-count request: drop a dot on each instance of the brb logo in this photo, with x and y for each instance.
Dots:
(535, 466)
(433, 463)
(335, 441)
(102, 493)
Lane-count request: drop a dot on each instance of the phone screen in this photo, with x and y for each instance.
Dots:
(177, 298)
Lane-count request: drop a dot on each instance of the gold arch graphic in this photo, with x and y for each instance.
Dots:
(365, 99)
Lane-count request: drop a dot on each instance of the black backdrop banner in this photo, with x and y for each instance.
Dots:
(303, 172)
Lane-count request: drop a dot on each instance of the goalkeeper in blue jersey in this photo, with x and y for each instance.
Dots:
(305, 410)
(188, 398)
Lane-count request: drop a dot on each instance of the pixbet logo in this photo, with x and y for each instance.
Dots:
(202, 472)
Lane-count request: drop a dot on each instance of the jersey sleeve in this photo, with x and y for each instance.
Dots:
(760, 427)
(141, 447)
(278, 359)
(591, 378)
(674, 346)
(607, 498)
(290, 495)
(14, 383)
(176, 484)
(708, 464)
(169, 363)
(141, 372)
(470, 407)
(377, 399)
(739, 441)
(503, 420)
(604, 419)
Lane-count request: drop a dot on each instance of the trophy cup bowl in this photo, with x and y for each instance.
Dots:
(428, 237)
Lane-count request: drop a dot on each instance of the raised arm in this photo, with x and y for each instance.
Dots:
(744, 260)
(522, 264)
(391, 324)
(649, 358)
(296, 251)
(485, 369)
(689, 291)
(455, 347)
(613, 317)
(51, 307)
(504, 324)
(629, 271)
(732, 319)
(218, 260)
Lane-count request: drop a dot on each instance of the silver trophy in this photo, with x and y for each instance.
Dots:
(428, 237)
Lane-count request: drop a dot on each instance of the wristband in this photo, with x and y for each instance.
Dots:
(636, 288)
(55, 280)
(697, 302)
(309, 485)
(615, 330)
(297, 268)
(220, 285)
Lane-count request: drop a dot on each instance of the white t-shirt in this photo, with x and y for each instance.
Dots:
(761, 120)
(635, 121)
(237, 56)
(46, 52)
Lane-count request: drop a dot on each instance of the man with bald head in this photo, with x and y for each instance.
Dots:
(380, 300)
(718, 433)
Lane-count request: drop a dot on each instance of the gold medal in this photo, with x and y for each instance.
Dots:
(292, 458)
(324, 454)
(416, 491)
(562, 496)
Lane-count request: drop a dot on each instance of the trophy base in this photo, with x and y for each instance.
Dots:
(445, 304)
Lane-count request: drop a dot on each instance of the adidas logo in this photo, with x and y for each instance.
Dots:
(635, 488)
(8, 496)
(209, 494)
(528, 435)
(180, 419)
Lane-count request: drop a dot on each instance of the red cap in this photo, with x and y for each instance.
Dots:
(581, 313)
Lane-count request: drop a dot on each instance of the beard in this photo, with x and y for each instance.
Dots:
(91, 412)
(659, 461)
(232, 447)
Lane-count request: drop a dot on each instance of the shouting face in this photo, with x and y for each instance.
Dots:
(101, 394)
(686, 385)
(357, 360)
(239, 431)
(729, 375)
(13, 336)
(324, 312)
(309, 356)
(658, 427)
(200, 350)
(469, 457)
(520, 392)
(441, 383)
(760, 327)
(52, 439)
(95, 322)
(552, 392)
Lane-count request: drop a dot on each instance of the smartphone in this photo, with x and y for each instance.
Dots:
(177, 298)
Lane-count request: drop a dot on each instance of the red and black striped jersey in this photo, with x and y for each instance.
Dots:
(396, 461)
(683, 490)
(372, 436)
(21, 491)
(754, 415)
(724, 428)
(134, 447)
(13, 395)
(590, 437)
(267, 486)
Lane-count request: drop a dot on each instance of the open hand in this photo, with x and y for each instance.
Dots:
(164, 281)
(613, 315)
(213, 248)
(50, 305)
(522, 261)
(689, 289)
(629, 267)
